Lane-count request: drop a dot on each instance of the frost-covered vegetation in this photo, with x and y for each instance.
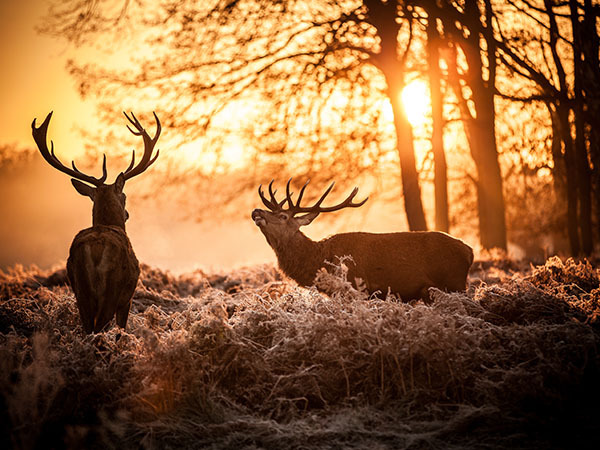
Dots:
(250, 360)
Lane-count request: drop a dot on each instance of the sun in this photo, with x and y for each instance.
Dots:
(416, 102)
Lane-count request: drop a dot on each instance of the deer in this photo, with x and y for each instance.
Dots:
(102, 268)
(405, 264)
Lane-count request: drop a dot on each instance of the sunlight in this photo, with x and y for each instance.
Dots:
(416, 102)
(233, 154)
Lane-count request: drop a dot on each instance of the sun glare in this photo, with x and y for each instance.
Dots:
(416, 102)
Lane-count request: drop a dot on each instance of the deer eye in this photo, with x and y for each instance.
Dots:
(283, 216)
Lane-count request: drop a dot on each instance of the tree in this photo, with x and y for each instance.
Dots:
(290, 55)
(434, 42)
(472, 75)
(567, 82)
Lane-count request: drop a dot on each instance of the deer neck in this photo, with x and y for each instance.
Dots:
(299, 257)
(105, 215)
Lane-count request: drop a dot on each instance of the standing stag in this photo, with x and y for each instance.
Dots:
(102, 268)
(406, 263)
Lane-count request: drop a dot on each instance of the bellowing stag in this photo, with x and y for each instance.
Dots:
(102, 268)
(405, 263)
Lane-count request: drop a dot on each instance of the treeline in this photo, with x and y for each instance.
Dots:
(317, 73)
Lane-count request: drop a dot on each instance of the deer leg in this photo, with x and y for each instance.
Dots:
(123, 313)
(424, 294)
(104, 315)
(87, 318)
(101, 323)
(86, 306)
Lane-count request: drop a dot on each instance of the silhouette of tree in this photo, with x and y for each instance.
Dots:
(561, 61)
(320, 71)
(434, 44)
(292, 56)
(472, 68)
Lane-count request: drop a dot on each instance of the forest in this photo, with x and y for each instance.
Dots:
(317, 89)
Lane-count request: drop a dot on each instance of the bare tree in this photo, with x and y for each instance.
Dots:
(562, 64)
(472, 69)
(434, 42)
(294, 56)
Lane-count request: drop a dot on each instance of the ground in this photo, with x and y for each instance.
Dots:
(249, 360)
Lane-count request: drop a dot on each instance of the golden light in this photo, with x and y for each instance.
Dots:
(416, 102)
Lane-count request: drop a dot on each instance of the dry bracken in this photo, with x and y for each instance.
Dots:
(268, 364)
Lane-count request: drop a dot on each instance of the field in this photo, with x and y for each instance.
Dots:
(249, 360)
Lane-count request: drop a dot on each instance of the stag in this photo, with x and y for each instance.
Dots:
(404, 263)
(102, 267)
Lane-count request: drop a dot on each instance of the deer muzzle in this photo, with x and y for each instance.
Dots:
(258, 217)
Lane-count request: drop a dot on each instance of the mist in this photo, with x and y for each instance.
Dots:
(41, 214)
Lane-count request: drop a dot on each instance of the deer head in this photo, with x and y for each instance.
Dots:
(108, 199)
(279, 224)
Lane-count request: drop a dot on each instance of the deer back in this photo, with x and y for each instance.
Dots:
(103, 272)
(407, 263)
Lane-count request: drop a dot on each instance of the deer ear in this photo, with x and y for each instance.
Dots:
(83, 188)
(307, 218)
(120, 182)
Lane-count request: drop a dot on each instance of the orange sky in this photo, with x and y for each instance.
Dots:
(33, 80)
(40, 212)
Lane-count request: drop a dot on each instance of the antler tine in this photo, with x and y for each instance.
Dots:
(136, 123)
(273, 199)
(325, 194)
(40, 138)
(292, 206)
(132, 161)
(288, 194)
(346, 203)
(317, 206)
(267, 203)
(104, 173)
(149, 144)
(302, 192)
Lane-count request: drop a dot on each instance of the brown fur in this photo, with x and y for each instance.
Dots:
(406, 263)
(103, 272)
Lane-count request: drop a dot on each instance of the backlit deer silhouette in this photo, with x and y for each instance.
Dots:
(405, 263)
(102, 268)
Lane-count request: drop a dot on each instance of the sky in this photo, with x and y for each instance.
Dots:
(33, 80)
(40, 212)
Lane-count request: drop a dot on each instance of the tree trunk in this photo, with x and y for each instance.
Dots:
(583, 168)
(561, 125)
(490, 201)
(583, 62)
(571, 172)
(442, 222)
(383, 16)
(591, 86)
(408, 169)
(480, 127)
(559, 170)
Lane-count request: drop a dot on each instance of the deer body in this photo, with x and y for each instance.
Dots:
(405, 263)
(102, 268)
(103, 272)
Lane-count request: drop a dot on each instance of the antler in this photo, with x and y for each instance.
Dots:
(149, 144)
(272, 204)
(39, 135)
(295, 208)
